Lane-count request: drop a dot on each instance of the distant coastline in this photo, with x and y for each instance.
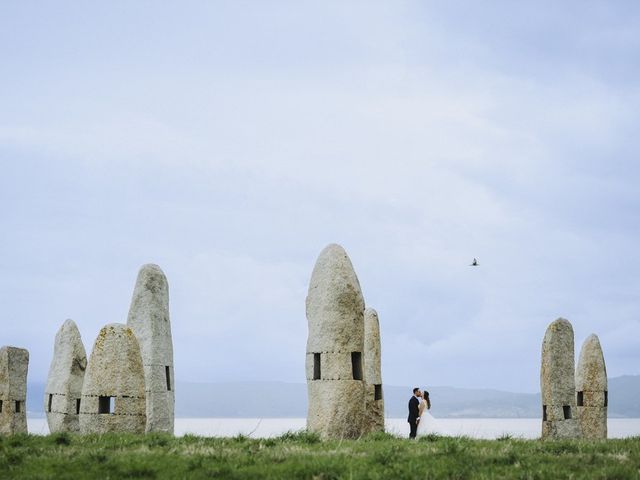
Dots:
(289, 400)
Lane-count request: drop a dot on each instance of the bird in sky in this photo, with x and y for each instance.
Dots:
(474, 263)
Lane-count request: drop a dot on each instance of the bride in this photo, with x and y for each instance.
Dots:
(425, 427)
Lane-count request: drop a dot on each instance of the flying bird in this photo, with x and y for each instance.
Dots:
(475, 263)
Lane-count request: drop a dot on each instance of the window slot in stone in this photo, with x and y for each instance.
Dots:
(77, 406)
(566, 409)
(544, 413)
(317, 369)
(356, 364)
(580, 399)
(167, 374)
(50, 402)
(17, 406)
(377, 392)
(606, 398)
(105, 404)
(0, 406)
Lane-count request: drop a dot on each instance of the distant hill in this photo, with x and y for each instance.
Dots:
(624, 396)
(279, 399)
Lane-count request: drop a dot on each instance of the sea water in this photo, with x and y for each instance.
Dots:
(488, 428)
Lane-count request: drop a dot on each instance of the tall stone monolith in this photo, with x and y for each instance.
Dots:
(557, 383)
(113, 392)
(64, 383)
(374, 402)
(591, 390)
(14, 364)
(335, 345)
(149, 320)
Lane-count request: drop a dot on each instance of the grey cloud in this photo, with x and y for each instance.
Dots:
(231, 155)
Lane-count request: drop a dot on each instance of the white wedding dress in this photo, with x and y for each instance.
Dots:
(427, 423)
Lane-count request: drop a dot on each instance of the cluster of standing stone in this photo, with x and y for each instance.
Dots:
(344, 384)
(127, 383)
(574, 403)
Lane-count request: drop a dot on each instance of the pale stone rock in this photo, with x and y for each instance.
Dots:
(591, 390)
(374, 401)
(14, 364)
(557, 383)
(335, 345)
(149, 320)
(64, 383)
(113, 397)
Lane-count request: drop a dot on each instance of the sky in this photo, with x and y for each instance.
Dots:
(230, 141)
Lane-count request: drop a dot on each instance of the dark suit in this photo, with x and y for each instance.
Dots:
(413, 416)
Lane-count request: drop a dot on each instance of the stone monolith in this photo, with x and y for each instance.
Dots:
(149, 320)
(591, 390)
(335, 345)
(64, 383)
(14, 364)
(113, 392)
(557, 383)
(374, 402)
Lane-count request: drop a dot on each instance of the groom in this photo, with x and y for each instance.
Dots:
(414, 414)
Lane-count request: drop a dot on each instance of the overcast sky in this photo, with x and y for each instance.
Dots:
(230, 141)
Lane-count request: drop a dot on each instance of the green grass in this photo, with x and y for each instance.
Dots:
(304, 455)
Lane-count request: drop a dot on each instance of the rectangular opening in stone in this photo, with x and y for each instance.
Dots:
(606, 398)
(566, 409)
(580, 399)
(356, 364)
(317, 369)
(167, 374)
(50, 402)
(544, 413)
(105, 404)
(0, 406)
(77, 406)
(377, 392)
(17, 406)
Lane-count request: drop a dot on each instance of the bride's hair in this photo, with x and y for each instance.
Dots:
(425, 395)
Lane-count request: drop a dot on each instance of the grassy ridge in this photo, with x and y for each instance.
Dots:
(302, 455)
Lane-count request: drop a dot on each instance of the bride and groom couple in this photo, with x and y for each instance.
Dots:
(419, 403)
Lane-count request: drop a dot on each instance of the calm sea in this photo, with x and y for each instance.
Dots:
(471, 427)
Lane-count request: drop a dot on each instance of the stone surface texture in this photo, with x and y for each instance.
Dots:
(149, 320)
(64, 383)
(335, 315)
(114, 370)
(14, 364)
(591, 388)
(374, 409)
(557, 382)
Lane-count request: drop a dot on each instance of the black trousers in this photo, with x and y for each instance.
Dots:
(414, 429)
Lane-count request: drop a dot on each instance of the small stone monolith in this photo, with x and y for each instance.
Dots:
(113, 392)
(149, 320)
(64, 383)
(374, 402)
(14, 364)
(557, 383)
(335, 345)
(591, 390)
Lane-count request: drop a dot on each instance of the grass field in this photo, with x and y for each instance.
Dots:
(302, 455)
